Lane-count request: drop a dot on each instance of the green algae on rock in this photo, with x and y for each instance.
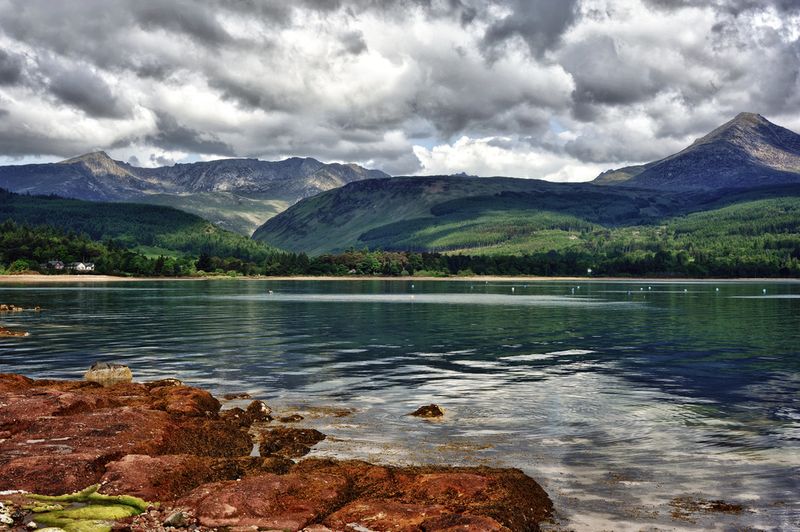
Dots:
(85, 510)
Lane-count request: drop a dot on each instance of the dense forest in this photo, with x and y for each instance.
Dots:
(149, 229)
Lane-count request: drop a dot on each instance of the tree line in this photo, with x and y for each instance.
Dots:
(26, 248)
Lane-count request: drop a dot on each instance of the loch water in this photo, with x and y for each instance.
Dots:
(620, 398)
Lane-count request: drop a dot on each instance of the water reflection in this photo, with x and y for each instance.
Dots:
(618, 399)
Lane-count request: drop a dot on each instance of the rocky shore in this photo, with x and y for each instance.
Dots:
(165, 456)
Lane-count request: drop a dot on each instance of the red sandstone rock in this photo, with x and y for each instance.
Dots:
(10, 381)
(185, 401)
(51, 475)
(428, 411)
(166, 478)
(284, 502)
(165, 441)
(384, 515)
(291, 443)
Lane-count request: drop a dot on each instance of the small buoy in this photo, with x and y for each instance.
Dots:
(579, 287)
(412, 286)
(649, 287)
(685, 289)
(512, 288)
(716, 289)
(642, 288)
(270, 292)
(764, 291)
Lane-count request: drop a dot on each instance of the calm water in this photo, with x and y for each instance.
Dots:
(616, 402)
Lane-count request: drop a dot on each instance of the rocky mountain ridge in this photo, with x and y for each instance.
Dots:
(236, 194)
(746, 152)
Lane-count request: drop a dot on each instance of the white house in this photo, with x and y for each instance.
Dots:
(81, 266)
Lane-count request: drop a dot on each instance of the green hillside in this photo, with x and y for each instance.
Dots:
(147, 228)
(731, 229)
(447, 213)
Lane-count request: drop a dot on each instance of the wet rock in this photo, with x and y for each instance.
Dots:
(166, 478)
(292, 418)
(446, 495)
(428, 411)
(283, 502)
(9, 333)
(12, 382)
(177, 519)
(168, 442)
(52, 475)
(108, 374)
(383, 515)
(684, 508)
(161, 383)
(257, 412)
(235, 396)
(290, 443)
(185, 400)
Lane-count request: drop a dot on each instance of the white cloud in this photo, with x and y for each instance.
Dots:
(502, 156)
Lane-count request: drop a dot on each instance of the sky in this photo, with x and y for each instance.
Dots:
(554, 89)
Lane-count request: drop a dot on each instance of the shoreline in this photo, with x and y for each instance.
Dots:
(175, 455)
(62, 279)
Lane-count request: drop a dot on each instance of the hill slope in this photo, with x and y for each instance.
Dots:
(445, 213)
(132, 225)
(214, 189)
(747, 152)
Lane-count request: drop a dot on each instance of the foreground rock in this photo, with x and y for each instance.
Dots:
(428, 411)
(108, 374)
(10, 333)
(169, 443)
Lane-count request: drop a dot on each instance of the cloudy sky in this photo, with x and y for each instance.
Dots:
(556, 89)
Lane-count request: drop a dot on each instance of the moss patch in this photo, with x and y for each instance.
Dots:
(85, 510)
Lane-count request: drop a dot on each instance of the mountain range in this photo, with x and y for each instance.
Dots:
(313, 207)
(236, 194)
(746, 160)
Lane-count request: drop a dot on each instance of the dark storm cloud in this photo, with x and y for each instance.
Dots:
(85, 90)
(540, 23)
(176, 137)
(186, 17)
(734, 7)
(353, 42)
(10, 68)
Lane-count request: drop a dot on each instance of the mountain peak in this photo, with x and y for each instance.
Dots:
(742, 125)
(99, 163)
(91, 157)
(745, 152)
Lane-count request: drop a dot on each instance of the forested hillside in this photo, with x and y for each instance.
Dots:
(151, 229)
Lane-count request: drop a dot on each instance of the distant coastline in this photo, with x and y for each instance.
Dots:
(62, 279)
